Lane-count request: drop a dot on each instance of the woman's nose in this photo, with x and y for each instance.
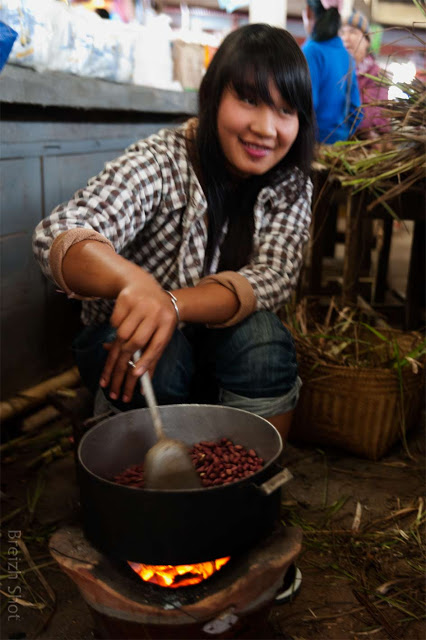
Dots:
(263, 122)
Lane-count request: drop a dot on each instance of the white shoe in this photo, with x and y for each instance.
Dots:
(291, 585)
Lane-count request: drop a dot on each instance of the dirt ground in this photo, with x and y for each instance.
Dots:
(367, 583)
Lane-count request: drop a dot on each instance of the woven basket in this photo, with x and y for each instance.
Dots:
(357, 409)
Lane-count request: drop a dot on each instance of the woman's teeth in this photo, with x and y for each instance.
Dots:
(250, 145)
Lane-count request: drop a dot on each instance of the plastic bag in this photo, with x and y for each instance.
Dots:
(57, 37)
(30, 19)
(7, 38)
(153, 64)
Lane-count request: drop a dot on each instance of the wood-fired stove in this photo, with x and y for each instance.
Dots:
(233, 603)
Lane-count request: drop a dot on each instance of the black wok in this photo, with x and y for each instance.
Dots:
(180, 526)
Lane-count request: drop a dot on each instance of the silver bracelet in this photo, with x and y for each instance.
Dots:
(174, 303)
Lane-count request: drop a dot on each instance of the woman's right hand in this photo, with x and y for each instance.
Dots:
(143, 314)
(145, 320)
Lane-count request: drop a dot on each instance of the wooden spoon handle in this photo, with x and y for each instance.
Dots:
(151, 400)
(152, 404)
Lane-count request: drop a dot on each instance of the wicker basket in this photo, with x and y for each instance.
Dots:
(357, 409)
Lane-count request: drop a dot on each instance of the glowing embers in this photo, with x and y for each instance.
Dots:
(181, 575)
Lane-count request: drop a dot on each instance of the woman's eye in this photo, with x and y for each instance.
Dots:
(250, 101)
(286, 111)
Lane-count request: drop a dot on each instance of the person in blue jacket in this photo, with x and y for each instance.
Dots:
(333, 73)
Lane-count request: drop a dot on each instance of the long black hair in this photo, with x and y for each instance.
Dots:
(247, 60)
(327, 21)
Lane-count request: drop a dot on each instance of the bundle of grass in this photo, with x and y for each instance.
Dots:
(362, 387)
(390, 162)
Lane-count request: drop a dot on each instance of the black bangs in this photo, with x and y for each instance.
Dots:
(251, 83)
(250, 70)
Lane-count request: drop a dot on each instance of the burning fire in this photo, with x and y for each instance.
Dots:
(181, 575)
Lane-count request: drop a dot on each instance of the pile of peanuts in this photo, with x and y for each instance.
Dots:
(223, 462)
(216, 463)
(132, 476)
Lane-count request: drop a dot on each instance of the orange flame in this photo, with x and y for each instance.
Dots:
(181, 575)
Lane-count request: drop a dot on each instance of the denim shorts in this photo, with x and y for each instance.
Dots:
(250, 366)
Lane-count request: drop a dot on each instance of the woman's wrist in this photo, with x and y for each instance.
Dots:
(208, 303)
(174, 302)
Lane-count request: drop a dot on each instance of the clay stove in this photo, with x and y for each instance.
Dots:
(233, 603)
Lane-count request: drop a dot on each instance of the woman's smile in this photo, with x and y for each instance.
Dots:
(255, 150)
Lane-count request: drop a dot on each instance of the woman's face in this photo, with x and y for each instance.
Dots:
(355, 42)
(255, 136)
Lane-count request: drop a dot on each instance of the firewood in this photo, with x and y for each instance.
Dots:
(60, 428)
(40, 418)
(59, 450)
(35, 396)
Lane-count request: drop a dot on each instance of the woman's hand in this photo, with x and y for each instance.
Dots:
(145, 319)
(143, 315)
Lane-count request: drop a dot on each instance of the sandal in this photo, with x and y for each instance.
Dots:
(290, 586)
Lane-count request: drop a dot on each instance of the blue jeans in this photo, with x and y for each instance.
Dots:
(251, 366)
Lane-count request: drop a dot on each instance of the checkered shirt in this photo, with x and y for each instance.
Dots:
(150, 205)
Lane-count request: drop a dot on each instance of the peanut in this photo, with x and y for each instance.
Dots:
(217, 463)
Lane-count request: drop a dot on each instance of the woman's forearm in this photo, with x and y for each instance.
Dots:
(91, 268)
(209, 303)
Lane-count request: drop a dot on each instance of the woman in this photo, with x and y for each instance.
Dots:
(334, 86)
(355, 33)
(186, 245)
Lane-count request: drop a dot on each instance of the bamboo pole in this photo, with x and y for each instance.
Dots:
(53, 433)
(40, 418)
(35, 396)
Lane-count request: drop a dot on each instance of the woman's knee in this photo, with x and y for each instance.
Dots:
(175, 371)
(90, 354)
(257, 358)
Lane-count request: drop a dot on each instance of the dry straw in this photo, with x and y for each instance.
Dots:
(362, 387)
(390, 162)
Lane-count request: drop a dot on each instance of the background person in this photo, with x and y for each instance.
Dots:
(355, 33)
(218, 212)
(334, 86)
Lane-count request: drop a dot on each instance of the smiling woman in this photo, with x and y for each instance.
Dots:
(217, 212)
